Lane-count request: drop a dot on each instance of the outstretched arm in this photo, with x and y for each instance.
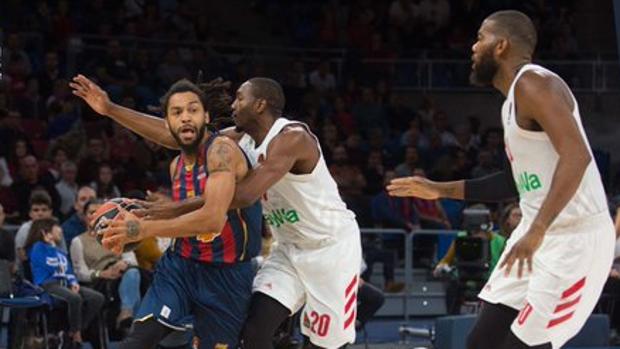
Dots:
(147, 126)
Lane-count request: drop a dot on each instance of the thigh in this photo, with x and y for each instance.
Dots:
(168, 299)
(220, 303)
(278, 279)
(330, 277)
(63, 293)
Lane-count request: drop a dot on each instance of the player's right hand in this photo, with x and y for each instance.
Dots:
(157, 206)
(91, 93)
(413, 186)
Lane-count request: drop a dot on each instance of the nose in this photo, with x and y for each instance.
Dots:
(473, 47)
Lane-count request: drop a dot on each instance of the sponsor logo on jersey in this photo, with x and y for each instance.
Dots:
(528, 182)
(281, 216)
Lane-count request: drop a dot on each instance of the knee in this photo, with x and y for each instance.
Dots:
(98, 299)
(132, 275)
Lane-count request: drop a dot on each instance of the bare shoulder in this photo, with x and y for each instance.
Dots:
(295, 134)
(539, 83)
(223, 155)
(232, 133)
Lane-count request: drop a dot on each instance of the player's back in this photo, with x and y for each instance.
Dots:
(534, 159)
(239, 240)
(304, 209)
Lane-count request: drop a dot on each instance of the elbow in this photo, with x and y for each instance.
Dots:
(214, 226)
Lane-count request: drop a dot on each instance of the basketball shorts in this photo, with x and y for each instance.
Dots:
(325, 279)
(215, 299)
(569, 271)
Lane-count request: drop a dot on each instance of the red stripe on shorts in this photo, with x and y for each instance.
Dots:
(566, 305)
(573, 289)
(560, 320)
(350, 287)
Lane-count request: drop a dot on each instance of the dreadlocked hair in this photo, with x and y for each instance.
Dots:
(218, 100)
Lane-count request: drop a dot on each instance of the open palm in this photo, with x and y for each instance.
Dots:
(91, 93)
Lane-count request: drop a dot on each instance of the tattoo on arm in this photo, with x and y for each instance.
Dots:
(133, 229)
(220, 157)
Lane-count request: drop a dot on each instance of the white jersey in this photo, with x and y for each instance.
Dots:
(534, 159)
(304, 209)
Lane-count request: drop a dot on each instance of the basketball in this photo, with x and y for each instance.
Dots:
(114, 209)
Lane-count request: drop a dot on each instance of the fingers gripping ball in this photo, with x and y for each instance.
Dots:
(113, 210)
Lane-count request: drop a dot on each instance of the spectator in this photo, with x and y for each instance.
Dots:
(343, 118)
(76, 224)
(368, 113)
(96, 154)
(374, 172)
(349, 177)
(441, 125)
(30, 180)
(51, 72)
(414, 137)
(171, 69)
(59, 156)
(412, 161)
(5, 178)
(104, 185)
(100, 267)
(511, 217)
(322, 79)
(67, 187)
(40, 207)
(7, 198)
(485, 165)
(7, 242)
(492, 141)
(432, 215)
(52, 270)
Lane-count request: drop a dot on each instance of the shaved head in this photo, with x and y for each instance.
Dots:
(517, 27)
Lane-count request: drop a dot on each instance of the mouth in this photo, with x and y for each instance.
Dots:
(187, 133)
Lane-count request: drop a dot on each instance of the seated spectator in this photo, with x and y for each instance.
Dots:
(96, 154)
(7, 242)
(40, 208)
(97, 266)
(485, 165)
(322, 79)
(76, 223)
(104, 184)
(52, 270)
(432, 215)
(349, 177)
(28, 181)
(511, 217)
(374, 173)
(67, 187)
(412, 161)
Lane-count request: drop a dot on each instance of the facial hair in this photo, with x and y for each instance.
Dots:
(192, 147)
(484, 71)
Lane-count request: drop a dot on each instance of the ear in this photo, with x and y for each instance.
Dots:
(207, 117)
(501, 47)
(260, 106)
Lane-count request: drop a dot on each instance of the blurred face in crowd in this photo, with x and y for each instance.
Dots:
(95, 147)
(105, 174)
(90, 214)
(21, 149)
(388, 176)
(60, 156)
(2, 215)
(411, 155)
(40, 211)
(375, 159)
(340, 155)
(30, 169)
(484, 65)
(53, 236)
(84, 195)
(186, 119)
(51, 61)
(68, 172)
(514, 217)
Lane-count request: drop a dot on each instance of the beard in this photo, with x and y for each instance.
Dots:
(193, 146)
(484, 71)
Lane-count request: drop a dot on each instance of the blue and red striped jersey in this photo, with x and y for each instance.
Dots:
(239, 241)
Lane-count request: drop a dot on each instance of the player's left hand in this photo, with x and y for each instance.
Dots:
(523, 252)
(119, 233)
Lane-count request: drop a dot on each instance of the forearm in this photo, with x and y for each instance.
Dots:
(190, 224)
(189, 205)
(564, 184)
(147, 126)
(451, 190)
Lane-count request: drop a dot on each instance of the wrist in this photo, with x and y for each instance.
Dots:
(538, 228)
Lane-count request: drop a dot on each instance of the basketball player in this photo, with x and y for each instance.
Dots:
(318, 252)
(207, 272)
(557, 260)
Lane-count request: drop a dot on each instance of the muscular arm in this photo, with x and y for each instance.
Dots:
(284, 151)
(224, 160)
(148, 126)
(545, 100)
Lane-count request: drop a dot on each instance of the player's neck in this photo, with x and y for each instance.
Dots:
(507, 73)
(190, 155)
(259, 130)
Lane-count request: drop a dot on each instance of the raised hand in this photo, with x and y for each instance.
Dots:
(91, 93)
(414, 186)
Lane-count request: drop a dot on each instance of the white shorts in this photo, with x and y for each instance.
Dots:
(325, 279)
(569, 271)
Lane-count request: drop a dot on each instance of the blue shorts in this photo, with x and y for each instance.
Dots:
(215, 297)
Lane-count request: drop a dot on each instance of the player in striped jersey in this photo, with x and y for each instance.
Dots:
(206, 273)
